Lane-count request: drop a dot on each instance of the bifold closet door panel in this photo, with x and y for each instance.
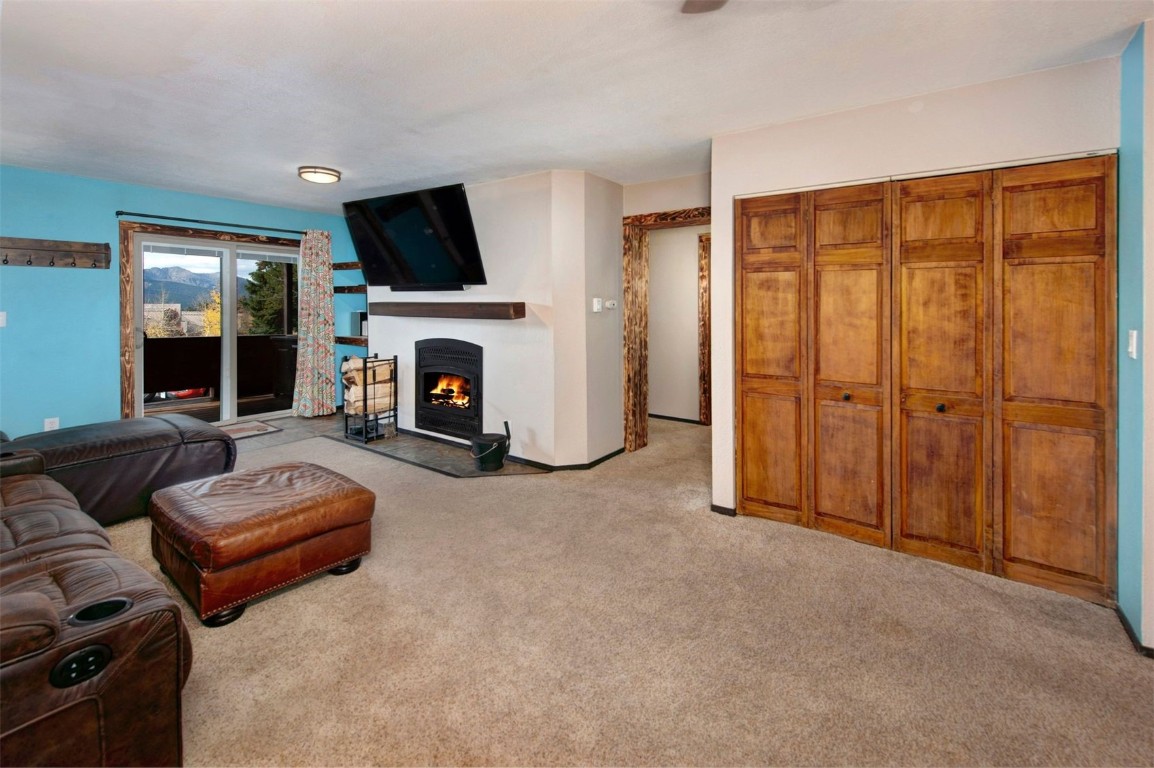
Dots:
(851, 362)
(1056, 434)
(771, 466)
(943, 362)
(772, 355)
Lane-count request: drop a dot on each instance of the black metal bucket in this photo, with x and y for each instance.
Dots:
(490, 449)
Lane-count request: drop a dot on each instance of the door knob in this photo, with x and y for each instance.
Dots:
(845, 396)
(940, 407)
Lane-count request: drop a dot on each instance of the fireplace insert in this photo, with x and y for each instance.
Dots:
(449, 382)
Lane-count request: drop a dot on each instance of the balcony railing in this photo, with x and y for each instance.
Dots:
(266, 365)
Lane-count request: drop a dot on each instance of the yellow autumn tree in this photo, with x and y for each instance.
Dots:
(212, 314)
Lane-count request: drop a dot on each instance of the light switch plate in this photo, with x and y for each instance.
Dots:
(1132, 345)
(3, 319)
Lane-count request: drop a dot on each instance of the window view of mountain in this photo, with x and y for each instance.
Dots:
(176, 285)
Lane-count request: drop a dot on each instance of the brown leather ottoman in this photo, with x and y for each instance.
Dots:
(227, 539)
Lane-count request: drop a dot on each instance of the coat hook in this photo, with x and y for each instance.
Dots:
(29, 262)
(5, 260)
(94, 263)
(52, 261)
(73, 261)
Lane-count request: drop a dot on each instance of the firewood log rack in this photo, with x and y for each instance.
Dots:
(376, 378)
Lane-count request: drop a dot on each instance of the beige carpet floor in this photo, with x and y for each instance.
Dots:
(608, 617)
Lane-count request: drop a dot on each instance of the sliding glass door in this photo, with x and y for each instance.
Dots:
(216, 328)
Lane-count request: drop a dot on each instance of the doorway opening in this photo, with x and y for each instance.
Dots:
(676, 389)
(635, 292)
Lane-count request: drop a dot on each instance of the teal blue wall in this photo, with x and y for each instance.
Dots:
(1130, 229)
(60, 352)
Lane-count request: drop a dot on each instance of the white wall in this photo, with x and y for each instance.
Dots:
(673, 346)
(569, 333)
(512, 219)
(605, 356)
(587, 256)
(1056, 112)
(547, 239)
(667, 195)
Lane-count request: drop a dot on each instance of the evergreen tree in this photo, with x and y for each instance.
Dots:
(265, 300)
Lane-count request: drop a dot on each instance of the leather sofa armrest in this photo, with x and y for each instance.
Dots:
(130, 646)
(23, 461)
(28, 623)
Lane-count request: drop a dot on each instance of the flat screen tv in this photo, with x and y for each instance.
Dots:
(417, 241)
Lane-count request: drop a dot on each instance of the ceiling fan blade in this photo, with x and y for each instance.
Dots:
(702, 6)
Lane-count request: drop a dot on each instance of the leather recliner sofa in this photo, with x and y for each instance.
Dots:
(93, 649)
(114, 467)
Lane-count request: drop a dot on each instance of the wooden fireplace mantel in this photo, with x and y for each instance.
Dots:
(468, 310)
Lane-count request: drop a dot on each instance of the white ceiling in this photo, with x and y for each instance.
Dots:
(227, 98)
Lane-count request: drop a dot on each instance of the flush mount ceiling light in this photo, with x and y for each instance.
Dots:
(319, 175)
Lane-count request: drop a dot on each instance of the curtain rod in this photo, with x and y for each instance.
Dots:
(202, 221)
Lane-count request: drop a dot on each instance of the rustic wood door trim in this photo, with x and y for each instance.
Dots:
(704, 346)
(635, 308)
(128, 232)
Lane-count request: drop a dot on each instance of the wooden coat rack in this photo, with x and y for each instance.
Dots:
(28, 252)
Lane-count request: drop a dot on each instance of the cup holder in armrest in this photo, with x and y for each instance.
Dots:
(102, 611)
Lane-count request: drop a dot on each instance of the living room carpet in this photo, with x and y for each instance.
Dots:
(607, 617)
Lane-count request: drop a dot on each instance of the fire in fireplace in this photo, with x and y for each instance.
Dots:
(451, 391)
(449, 387)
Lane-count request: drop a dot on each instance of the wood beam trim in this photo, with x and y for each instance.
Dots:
(705, 395)
(464, 310)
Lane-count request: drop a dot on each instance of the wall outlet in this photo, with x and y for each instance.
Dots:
(52, 423)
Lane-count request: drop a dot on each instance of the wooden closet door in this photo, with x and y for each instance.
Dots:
(1056, 435)
(851, 361)
(770, 238)
(943, 368)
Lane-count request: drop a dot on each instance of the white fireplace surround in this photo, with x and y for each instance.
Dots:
(553, 241)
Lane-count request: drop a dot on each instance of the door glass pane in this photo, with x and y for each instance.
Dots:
(266, 318)
(182, 328)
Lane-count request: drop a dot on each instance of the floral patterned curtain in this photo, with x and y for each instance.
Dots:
(315, 391)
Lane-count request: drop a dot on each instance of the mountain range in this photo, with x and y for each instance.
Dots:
(177, 285)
